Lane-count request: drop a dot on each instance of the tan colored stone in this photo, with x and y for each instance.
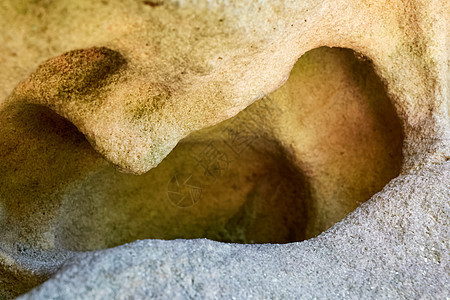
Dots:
(137, 80)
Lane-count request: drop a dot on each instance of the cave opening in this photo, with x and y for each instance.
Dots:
(283, 170)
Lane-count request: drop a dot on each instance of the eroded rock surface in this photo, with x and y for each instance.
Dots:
(372, 254)
(135, 86)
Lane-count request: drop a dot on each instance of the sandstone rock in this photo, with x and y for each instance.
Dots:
(372, 254)
(230, 141)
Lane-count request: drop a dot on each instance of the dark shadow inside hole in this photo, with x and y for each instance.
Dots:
(285, 169)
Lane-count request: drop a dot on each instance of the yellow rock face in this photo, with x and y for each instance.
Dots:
(126, 120)
(285, 169)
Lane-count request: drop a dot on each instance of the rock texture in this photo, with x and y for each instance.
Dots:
(372, 254)
(91, 89)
